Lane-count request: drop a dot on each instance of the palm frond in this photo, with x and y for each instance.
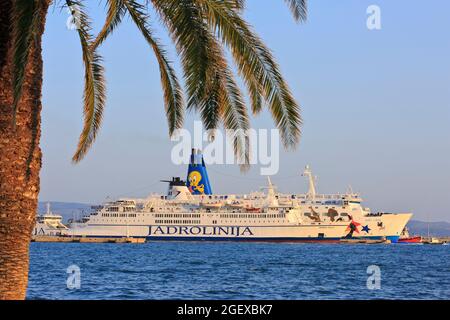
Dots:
(193, 42)
(235, 117)
(253, 84)
(94, 86)
(224, 103)
(227, 97)
(196, 26)
(25, 18)
(238, 4)
(116, 11)
(254, 89)
(210, 85)
(256, 65)
(299, 9)
(173, 97)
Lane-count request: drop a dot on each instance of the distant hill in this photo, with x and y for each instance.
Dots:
(73, 209)
(68, 210)
(439, 229)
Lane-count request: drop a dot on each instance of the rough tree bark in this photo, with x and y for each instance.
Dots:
(20, 158)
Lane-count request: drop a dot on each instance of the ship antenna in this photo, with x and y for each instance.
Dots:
(312, 183)
(271, 195)
(270, 187)
(350, 190)
(269, 182)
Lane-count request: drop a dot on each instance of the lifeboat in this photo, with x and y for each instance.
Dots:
(432, 241)
(236, 204)
(285, 202)
(417, 239)
(406, 238)
(211, 205)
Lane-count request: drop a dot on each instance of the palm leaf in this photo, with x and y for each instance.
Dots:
(224, 103)
(298, 9)
(94, 86)
(235, 118)
(211, 88)
(173, 97)
(116, 11)
(194, 44)
(230, 103)
(256, 65)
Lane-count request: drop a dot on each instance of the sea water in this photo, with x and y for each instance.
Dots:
(204, 270)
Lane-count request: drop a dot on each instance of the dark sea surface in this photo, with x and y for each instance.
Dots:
(196, 270)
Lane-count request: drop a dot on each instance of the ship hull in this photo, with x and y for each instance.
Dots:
(369, 228)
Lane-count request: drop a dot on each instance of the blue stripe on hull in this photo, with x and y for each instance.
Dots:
(394, 239)
(242, 239)
(262, 239)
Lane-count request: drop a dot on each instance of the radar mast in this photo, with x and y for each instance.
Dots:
(312, 183)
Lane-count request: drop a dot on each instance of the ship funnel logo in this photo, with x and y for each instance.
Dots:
(194, 179)
(197, 177)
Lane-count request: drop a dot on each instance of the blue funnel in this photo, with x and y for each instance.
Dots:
(197, 177)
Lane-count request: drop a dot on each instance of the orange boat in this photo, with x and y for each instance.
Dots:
(417, 239)
(406, 238)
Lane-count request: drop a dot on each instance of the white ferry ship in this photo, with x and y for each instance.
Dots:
(49, 224)
(191, 212)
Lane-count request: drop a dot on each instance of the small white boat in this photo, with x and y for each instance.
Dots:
(433, 241)
(49, 224)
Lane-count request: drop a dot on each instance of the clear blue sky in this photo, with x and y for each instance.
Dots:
(376, 107)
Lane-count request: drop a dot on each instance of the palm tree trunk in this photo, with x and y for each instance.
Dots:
(20, 158)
